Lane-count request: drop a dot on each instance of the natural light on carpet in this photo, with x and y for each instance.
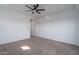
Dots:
(25, 47)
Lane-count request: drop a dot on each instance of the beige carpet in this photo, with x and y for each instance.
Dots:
(39, 46)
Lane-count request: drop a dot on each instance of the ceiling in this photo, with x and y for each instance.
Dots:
(49, 8)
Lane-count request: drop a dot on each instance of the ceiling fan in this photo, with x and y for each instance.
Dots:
(34, 9)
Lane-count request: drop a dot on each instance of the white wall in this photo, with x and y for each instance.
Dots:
(77, 27)
(13, 26)
(59, 27)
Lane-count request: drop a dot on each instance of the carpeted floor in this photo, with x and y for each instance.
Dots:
(39, 46)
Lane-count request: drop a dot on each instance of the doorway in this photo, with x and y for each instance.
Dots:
(33, 27)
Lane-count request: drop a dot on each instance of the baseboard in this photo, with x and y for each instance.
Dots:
(13, 41)
(58, 40)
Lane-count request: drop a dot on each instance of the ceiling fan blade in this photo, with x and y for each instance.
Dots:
(40, 9)
(32, 12)
(36, 6)
(29, 7)
(38, 12)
